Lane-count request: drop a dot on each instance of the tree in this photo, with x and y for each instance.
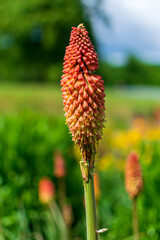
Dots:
(33, 37)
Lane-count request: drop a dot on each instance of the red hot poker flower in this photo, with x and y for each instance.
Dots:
(83, 92)
(133, 175)
(46, 190)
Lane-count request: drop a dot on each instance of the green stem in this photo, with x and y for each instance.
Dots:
(58, 218)
(135, 219)
(91, 221)
(61, 192)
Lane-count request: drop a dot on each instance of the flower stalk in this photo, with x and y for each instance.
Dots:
(134, 184)
(60, 173)
(90, 204)
(135, 219)
(84, 106)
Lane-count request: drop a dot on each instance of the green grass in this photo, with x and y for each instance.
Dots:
(27, 143)
(47, 99)
(41, 98)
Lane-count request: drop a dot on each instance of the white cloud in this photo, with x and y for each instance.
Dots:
(134, 28)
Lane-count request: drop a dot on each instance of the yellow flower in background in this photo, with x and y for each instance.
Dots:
(153, 134)
(134, 137)
(120, 140)
(105, 162)
(109, 160)
(117, 143)
(127, 139)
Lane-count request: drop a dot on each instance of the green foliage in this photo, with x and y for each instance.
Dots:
(34, 35)
(135, 72)
(27, 144)
(116, 208)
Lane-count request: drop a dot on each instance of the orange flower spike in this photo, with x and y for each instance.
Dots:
(133, 175)
(46, 190)
(83, 92)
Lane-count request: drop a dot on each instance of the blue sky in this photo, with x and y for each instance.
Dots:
(134, 29)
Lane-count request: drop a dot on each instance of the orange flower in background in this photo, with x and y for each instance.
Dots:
(83, 92)
(140, 123)
(59, 165)
(133, 175)
(157, 114)
(46, 190)
(97, 187)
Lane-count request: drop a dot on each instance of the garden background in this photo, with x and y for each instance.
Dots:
(33, 134)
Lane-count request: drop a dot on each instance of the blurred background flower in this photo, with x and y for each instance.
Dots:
(133, 175)
(46, 190)
(59, 165)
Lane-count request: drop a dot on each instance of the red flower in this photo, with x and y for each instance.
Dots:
(83, 92)
(46, 190)
(133, 175)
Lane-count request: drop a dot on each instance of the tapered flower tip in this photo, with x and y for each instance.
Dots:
(80, 51)
(83, 92)
(133, 175)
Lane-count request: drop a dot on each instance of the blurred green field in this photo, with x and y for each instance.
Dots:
(32, 130)
(121, 102)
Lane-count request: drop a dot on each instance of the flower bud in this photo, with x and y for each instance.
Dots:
(133, 175)
(46, 190)
(83, 92)
(59, 165)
